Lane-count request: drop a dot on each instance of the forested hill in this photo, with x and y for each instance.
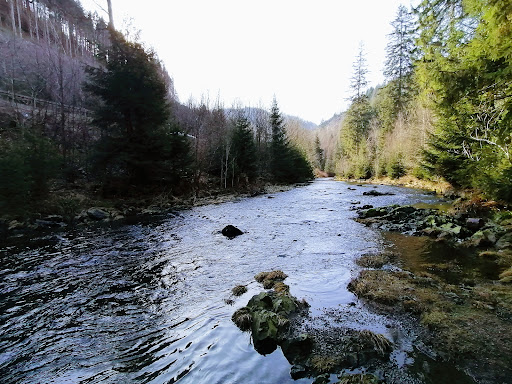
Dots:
(444, 112)
(68, 121)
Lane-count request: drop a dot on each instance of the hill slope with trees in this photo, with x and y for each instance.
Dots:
(84, 108)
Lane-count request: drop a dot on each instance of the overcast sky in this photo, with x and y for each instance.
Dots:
(300, 51)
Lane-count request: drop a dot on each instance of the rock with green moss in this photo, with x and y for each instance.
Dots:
(485, 237)
(267, 330)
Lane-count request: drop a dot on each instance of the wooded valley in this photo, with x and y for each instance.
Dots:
(84, 107)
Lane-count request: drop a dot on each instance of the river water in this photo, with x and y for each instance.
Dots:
(152, 303)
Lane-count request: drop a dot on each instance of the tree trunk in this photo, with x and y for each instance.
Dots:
(13, 18)
(36, 17)
(110, 14)
(18, 9)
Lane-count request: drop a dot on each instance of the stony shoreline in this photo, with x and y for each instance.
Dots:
(120, 211)
(468, 317)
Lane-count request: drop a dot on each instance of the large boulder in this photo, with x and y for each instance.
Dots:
(297, 348)
(230, 231)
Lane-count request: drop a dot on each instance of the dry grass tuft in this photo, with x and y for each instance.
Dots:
(239, 290)
(242, 318)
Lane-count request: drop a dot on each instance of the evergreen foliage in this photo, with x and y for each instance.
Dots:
(28, 162)
(138, 145)
(465, 70)
(399, 58)
(319, 155)
(244, 157)
(287, 163)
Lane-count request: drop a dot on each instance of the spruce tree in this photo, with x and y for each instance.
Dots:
(464, 68)
(279, 162)
(358, 81)
(133, 114)
(244, 157)
(399, 57)
(287, 163)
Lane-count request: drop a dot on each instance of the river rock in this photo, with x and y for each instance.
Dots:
(373, 212)
(298, 372)
(322, 379)
(15, 225)
(505, 241)
(297, 348)
(474, 223)
(230, 231)
(97, 214)
(42, 223)
(377, 193)
(483, 238)
(266, 326)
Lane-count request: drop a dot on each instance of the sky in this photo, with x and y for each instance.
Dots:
(246, 52)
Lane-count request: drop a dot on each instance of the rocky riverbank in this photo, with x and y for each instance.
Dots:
(73, 209)
(467, 313)
(277, 319)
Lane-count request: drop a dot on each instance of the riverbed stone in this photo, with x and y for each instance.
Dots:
(97, 214)
(298, 372)
(297, 348)
(474, 223)
(322, 379)
(377, 193)
(504, 241)
(230, 231)
(265, 331)
(373, 212)
(483, 238)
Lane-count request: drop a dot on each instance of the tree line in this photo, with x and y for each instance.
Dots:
(445, 109)
(115, 124)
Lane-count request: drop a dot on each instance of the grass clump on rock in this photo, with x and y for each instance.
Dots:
(242, 318)
(239, 290)
(269, 279)
(374, 260)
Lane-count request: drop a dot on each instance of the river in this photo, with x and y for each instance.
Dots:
(152, 303)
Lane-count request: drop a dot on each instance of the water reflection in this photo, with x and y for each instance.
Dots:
(147, 303)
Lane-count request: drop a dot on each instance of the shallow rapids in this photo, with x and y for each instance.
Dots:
(152, 303)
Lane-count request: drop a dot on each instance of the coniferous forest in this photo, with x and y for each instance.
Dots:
(444, 112)
(82, 106)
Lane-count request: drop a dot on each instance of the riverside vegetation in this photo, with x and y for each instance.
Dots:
(462, 295)
(72, 137)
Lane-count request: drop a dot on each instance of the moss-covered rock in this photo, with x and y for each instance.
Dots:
(270, 279)
(268, 313)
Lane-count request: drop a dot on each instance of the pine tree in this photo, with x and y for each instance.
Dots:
(244, 157)
(358, 82)
(287, 163)
(399, 57)
(133, 113)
